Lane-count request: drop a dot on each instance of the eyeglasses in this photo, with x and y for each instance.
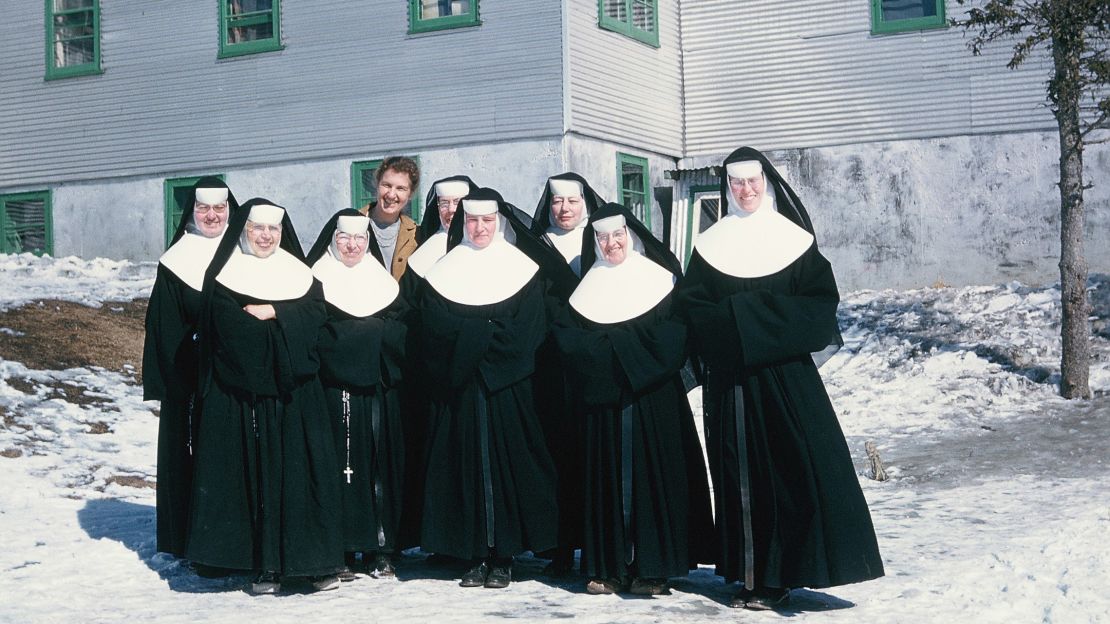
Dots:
(740, 182)
(615, 235)
(259, 229)
(358, 239)
(448, 203)
(204, 208)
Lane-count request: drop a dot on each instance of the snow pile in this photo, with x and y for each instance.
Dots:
(27, 277)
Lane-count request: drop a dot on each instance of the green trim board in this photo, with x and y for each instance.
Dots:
(254, 24)
(364, 189)
(448, 14)
(72, 38)
(693, 216)
(896, 16)
(634, 184)
(174, 193)
(26, 223)
(638, 19)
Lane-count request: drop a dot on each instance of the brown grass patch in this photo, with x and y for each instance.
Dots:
(99, 427)
(26, 386)
(130, 481)
(59, 334)
(11, 453)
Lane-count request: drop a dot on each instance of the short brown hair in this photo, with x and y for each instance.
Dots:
(400, 164)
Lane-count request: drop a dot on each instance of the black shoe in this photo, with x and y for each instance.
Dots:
(767, 598)
(649, 587)
(500, 575)
(383, 567)
(475, 576)
(346, 576)
(740, 598)
(266, 583)
(324, 583)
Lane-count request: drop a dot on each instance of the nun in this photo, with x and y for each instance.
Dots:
(559, 221)
(170, 351)
(362, 349)
(490, 487)
(760, 301)
(646, 495)
(265, 496)
(439, 209)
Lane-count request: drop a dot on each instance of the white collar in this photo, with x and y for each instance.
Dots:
(428, 253)
(755, 245)
(569, 244)
(615, 293)
(360, 290)
(482, 276)
(280, 277)
(190, 256)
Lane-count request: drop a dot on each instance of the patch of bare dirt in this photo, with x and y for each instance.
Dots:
(130, 481)
(11, 453)
(55, 335)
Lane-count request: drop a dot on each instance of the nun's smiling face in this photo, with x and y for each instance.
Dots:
(614, 245)
(566, 212)
(480, 229)
(447, 206)
(352, 247)
(394, 191)
(263, 239)
(211, 219)
(748, 191)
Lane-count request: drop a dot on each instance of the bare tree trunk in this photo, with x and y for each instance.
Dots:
(1075, 332)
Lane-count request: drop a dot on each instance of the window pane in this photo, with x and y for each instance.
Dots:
(69, 5)
(430, 9)
(908, 9)
(643, 14)
(240, 7)
(74, 52)
(75, 24)
(240, 34)
(368, 191)
(24, 226)
(616, 10)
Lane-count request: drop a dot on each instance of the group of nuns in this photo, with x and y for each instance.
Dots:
(520, 389)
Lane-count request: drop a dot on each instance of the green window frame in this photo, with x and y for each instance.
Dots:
(634, 184)
(240, 19)
(72, 38)
(26, 223)
(364, 189)
(638, 19)
(175, 191)
(885, 21)
(461, 14)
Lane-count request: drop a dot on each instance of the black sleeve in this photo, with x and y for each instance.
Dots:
(166, 331)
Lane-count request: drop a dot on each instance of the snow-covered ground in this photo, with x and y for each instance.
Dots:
(997, 510)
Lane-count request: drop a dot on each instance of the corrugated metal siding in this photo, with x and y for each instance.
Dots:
(623, 90)
(350, 81)
(809, 73)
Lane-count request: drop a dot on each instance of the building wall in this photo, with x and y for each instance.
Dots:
(974, 209)
(623, 90)
(124, 219)
(350, 80)
(808, 73)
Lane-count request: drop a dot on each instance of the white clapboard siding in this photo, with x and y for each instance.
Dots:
(623, 90)
(808, 73)
(350, 82)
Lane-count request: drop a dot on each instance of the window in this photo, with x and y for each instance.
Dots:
(364, 188)
(893, 16)
(638, 19)
(25, 223)
(427, 15)
(175, 192)
(72, 38)
(632, 179)
(249, 27)
(705, 210)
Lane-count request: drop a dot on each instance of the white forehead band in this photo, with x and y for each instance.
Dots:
(266, 214)
(565, 188)
(211, 196)
(744, 169)
(609, 224)
(352, 224)
(451, 189)
(479, 206)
